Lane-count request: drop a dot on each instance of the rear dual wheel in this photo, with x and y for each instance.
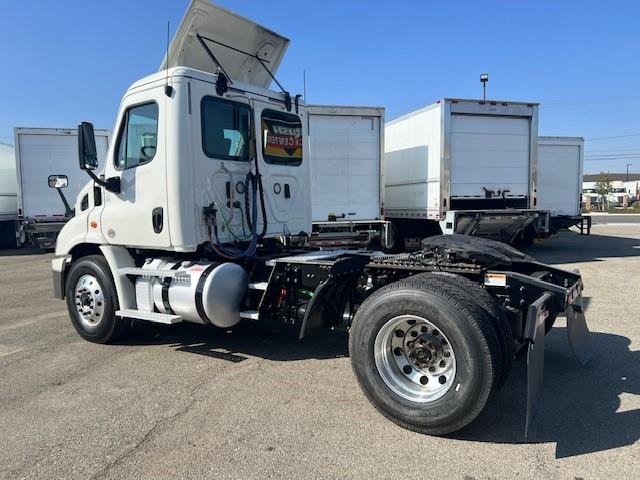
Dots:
(474, 293)
(426, 355)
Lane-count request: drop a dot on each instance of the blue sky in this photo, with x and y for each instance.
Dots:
(67, 61)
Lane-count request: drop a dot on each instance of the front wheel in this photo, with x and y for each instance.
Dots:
(425, 357)
(92, 301)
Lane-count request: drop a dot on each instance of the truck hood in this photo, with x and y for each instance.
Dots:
(216, 23)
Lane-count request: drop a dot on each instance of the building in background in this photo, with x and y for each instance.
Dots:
(623, 185)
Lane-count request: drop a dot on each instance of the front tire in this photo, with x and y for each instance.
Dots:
(424, 389)
(92, 301)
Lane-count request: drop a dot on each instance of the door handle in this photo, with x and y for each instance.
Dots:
(157, 219)
(287, 191)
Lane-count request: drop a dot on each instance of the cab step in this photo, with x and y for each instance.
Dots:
(258, 286)
(151, 272)
(250, 314)
(150, 316)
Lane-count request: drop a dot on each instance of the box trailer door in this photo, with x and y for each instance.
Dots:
(8, 202)
(345, 152)
(489, 152)
(559, 176)
(44, 152)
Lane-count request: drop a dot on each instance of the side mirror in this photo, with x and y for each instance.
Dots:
(88, 157)
(87, 152)
(58, 181)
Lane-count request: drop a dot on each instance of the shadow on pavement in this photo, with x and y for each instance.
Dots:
(580, 407)
(243, 341)
(18, 252)
(570, 247)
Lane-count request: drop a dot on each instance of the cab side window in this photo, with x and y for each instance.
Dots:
(281, 138)
(138, 137)
(225, 129)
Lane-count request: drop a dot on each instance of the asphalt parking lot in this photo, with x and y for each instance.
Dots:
(192, 402)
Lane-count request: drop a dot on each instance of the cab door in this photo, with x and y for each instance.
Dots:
(221, 137)
(223, 156)
(137, 215)
(284, 165)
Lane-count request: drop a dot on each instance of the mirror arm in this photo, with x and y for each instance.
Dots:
(68, 211)
(110, 184)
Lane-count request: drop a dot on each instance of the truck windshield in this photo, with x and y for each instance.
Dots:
(225, 129)
(281, 138)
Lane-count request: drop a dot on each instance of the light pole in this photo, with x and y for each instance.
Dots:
(484, 78)
(628, 164)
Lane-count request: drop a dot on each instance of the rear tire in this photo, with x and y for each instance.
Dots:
(475, 293)
(473, 346)
(92, 301)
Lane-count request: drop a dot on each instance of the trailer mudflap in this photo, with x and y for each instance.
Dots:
(578, 332)
(536, 316)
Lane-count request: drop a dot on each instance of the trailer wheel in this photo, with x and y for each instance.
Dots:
(475, 293)
(92, 301)
(424, 355)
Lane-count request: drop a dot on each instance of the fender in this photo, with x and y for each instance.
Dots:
(118, 257)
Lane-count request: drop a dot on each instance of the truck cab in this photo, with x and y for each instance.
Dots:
(182, 144)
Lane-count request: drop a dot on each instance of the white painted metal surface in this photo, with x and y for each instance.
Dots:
(41, 152)
(489, 152)
(346, 146)
(250, 315)
(155, 317)
(413, 163)
(8, 187)
(221, 25)
(560, 164)
(452, 149)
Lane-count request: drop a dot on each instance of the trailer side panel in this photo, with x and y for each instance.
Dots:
(413, 149)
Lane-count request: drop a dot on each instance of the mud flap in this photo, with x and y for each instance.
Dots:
(536, 316)
(578, 332)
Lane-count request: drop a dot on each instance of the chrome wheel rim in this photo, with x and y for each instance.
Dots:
(414, 358)
(89, 301)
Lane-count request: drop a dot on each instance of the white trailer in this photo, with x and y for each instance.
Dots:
(41, 152)
(560, 163)
(347, 194)
(8, 196)
(468, 164)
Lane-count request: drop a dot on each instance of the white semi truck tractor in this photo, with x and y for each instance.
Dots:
(201, 213)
